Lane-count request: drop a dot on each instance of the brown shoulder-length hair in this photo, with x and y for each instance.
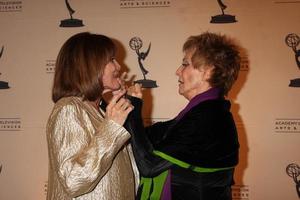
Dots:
(80, 65)
(219, 52)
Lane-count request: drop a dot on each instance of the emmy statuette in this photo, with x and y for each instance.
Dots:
(71, 22)
(3, 84)
(293, 170)
(222, 18)
(292, 40)
(136, 44)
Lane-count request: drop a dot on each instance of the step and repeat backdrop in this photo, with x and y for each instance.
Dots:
(265, 99)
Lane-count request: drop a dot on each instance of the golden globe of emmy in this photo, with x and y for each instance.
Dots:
(293, 171)
(3, 84)
(71, 22)
(293, 40)
(136, 44)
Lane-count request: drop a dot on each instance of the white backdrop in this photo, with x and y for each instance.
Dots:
(266, 109)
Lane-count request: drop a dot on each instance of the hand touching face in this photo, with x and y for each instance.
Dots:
(135, 90)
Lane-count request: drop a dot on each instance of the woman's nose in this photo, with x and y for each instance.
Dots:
(118, 66)
(178, 71)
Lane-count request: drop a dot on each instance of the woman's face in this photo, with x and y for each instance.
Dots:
(192, 81)
(111, 76)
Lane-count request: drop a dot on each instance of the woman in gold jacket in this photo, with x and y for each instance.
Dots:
(89, 154)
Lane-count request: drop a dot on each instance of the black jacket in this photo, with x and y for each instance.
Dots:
(205, 137)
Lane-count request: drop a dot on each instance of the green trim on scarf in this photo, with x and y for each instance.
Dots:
(156, 182)
(186, 165)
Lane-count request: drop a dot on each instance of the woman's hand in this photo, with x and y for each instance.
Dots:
(135, 90)
(118, 108)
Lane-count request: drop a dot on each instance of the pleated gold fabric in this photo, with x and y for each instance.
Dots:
(89, 156)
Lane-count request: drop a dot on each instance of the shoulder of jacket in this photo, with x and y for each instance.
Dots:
(215, 104)
(69, 101)
(68, 104)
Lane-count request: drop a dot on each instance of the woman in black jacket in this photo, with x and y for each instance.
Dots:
(192, 156)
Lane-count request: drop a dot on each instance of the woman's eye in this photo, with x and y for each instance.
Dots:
(185, 64)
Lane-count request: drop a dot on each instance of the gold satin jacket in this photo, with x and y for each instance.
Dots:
(89, 156)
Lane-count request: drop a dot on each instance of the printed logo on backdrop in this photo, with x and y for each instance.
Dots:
(222, 18)
(287, 125)
(50, 66)
(136, 44)
(240, 192)
(293, 171)
(70, 22)
(292, 40)
(10, 124)
(3, 84)
(144, 3)
(10, 6)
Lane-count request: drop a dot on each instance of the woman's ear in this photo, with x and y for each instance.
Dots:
(208, 72)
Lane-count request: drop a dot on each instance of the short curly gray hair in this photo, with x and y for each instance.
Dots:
(217, 51)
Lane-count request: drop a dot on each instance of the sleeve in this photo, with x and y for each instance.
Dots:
(82, 157)
(205, 138)
(149, 165)
(157, 132)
